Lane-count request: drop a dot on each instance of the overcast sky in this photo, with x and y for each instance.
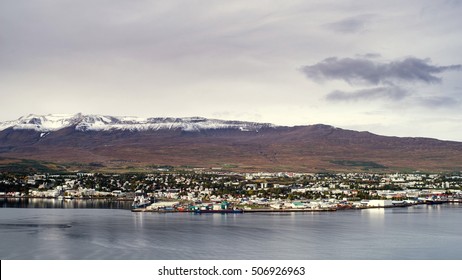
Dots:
(389, 67)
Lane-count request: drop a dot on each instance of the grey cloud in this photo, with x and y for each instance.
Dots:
(368, 71)
(438, 102)
(369, 55)
(384, 80)
(454, 3)
(349, 25)
(391, 92)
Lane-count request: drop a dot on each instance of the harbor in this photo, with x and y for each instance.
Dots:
(218, 192)
(234, 211)
(225, 207)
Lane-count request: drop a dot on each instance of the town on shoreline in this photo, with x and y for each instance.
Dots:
(170, 191)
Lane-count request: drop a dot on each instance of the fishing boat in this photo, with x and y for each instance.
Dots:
(436, 200)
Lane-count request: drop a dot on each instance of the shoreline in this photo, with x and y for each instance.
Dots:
(239, 209)
(289, 210)
(299, 210)
(73, 198)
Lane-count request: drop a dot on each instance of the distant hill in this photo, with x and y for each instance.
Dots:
(107, 142)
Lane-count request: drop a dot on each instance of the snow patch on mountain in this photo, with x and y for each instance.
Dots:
(40, 123)
(54, 122)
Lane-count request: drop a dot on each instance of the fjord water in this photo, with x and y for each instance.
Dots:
(417, 232)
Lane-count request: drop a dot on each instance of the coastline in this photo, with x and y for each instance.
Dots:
(288, 210)
(238, 209)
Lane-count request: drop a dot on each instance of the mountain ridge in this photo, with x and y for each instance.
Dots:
(108, 142)
(54, 122)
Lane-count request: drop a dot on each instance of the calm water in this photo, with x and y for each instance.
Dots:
(63, 203)
(418, 232)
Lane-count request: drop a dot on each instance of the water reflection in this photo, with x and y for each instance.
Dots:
(138, 220)
(66, 203)
(374, 212)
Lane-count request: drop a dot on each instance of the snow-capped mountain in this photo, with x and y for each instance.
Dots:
(72, 141)
(54, 122)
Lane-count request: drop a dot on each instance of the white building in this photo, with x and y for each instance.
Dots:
(379, 203)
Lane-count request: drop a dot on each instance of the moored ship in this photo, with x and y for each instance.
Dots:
(140, 201)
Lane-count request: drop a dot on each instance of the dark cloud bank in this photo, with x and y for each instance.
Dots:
(387, 78)
(362, 70)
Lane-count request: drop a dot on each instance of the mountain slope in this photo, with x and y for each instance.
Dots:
(118, 142)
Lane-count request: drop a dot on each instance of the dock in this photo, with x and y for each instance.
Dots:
(257, 210)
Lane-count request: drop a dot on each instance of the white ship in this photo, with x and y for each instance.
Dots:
(140, 201)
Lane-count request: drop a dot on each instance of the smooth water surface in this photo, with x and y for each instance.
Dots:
(417, 232)
(100, 203)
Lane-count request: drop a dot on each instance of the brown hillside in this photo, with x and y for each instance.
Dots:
(302, 148)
